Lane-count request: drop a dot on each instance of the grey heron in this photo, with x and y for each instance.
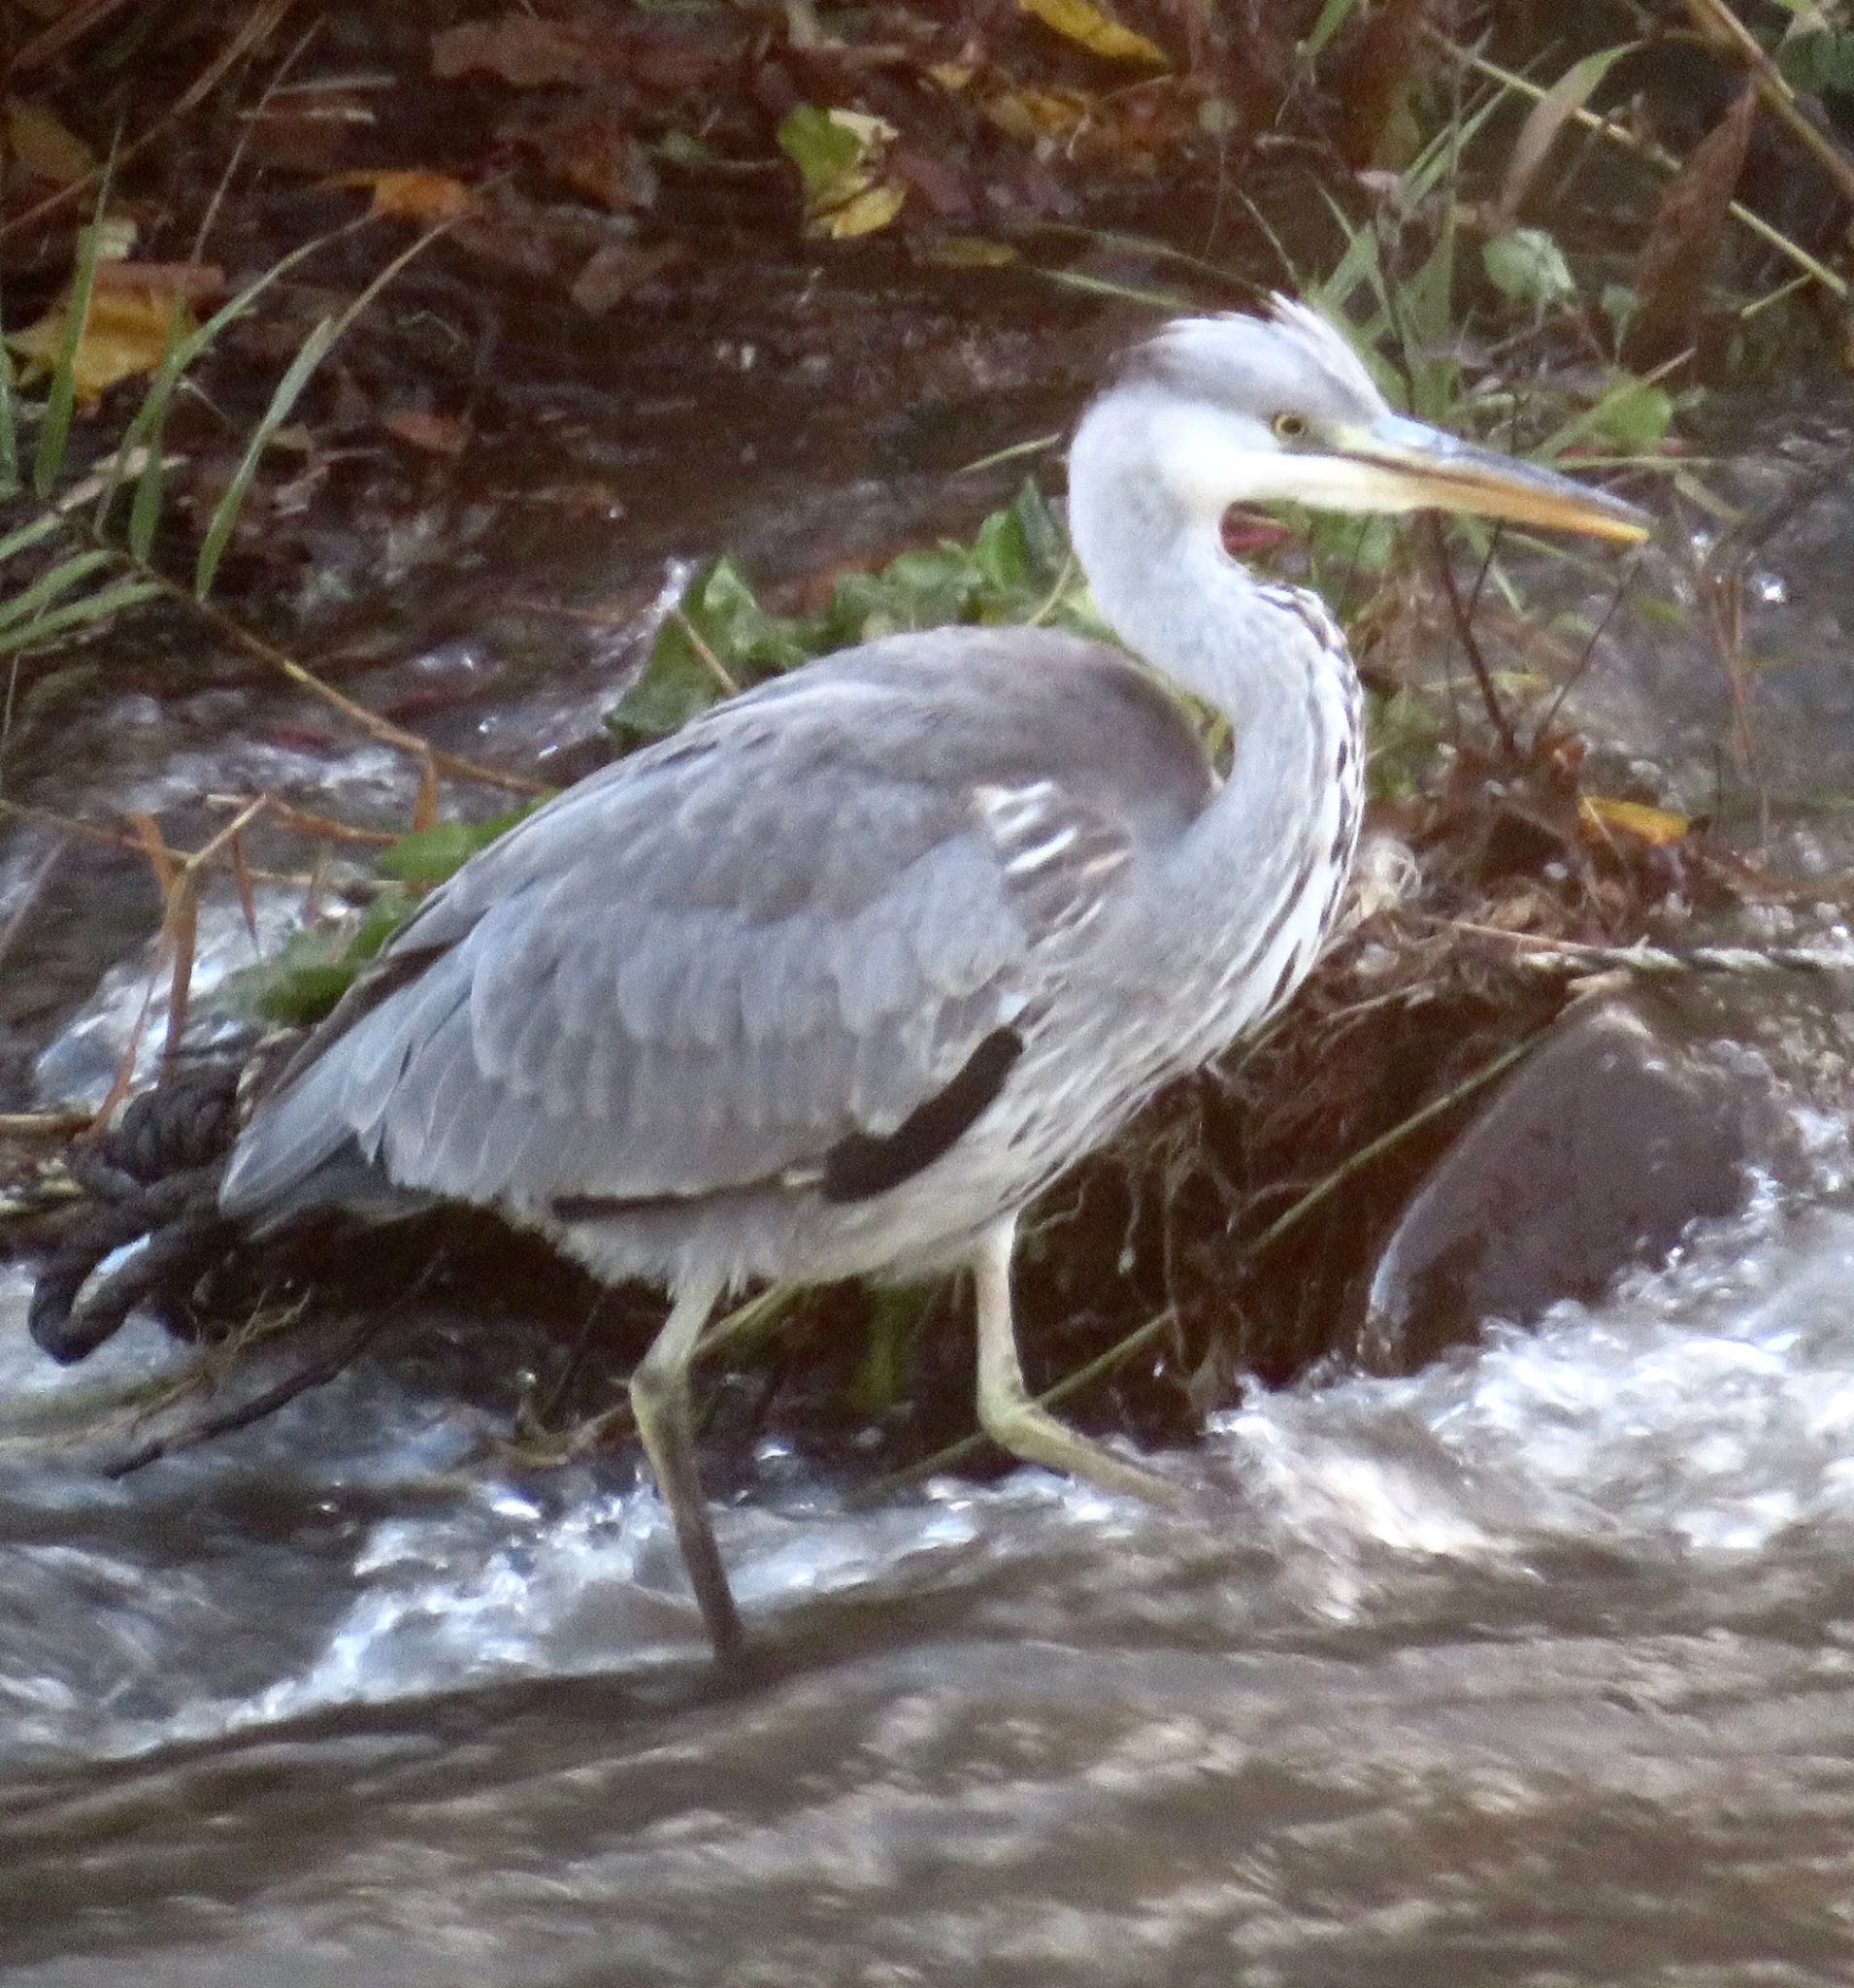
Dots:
(838, 980)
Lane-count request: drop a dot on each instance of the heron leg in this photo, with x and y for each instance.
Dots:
(666, 1425)
(1012, 1420)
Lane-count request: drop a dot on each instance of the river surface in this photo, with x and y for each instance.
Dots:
(1535, 1668)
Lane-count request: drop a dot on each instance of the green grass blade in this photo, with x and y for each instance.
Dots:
(8, 428)
(62, 578)
(289, 389)
(97, 607)
(28, 536)
(1332, 18)
(145, 431)
(55, 430)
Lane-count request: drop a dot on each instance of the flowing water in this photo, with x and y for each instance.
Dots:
(1535, 1668)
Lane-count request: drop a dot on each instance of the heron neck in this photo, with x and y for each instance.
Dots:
(1256, 655)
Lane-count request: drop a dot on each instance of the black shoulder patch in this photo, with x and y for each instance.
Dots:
(861, 1167)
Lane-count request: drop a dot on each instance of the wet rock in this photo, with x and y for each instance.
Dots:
(1610, 1141)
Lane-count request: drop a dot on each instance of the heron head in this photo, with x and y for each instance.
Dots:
(1244, 410)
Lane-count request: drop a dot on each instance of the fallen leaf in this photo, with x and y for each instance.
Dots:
(312, 132)
(1655, 826)
(42, 148)
(1030, 115)
(613, 273)
(125, 333)
(839, 156)
(971, 251)
(433, 434)
(1373, 75)
(411, 196)
(593, 152)
(189, 279)
(521, 51)
(862, 214)
(1682, 243)
(1096, 30)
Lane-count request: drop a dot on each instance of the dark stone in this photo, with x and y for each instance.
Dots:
(1595, 1156)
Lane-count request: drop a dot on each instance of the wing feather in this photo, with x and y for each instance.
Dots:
(794, 925)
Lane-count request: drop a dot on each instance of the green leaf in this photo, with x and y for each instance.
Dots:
(300, 992)
(824, 151)
(720, 616)
(1822, 61)
(313, 969)
(1045, 544)
(1528, 264)
(1633, 416)
(1017, 566)
(428, 856)
(999, 552)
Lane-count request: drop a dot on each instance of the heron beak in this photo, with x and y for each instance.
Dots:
(1431, 468)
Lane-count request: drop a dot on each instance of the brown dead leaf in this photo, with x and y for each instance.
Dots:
(189, 279)
(1602, 817)
(618, 269)
(42, 148)
(125, 333)
(315, 132)
(590, 150)
(433, 434)
(1682, 242)
(411, 196)
(1373, 74)
(521, 51)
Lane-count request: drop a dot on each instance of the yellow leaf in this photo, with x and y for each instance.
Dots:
(411, 196)
(953, 76)
(42, 148)
(1096, 30)
(971, 251)
(1655, 826)
(125, 334)
(862, 214)
(1028, 114)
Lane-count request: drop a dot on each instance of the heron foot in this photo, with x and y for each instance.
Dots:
(1028, 1432)
(1015, 1423)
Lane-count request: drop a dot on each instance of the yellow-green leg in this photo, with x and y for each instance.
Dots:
(666, 1425)
(1012, 1420)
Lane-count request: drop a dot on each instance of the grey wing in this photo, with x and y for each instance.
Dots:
(793, 927)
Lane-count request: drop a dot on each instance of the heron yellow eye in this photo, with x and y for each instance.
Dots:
(1290, 426)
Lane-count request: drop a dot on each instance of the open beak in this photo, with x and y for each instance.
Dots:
(1431, 468)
